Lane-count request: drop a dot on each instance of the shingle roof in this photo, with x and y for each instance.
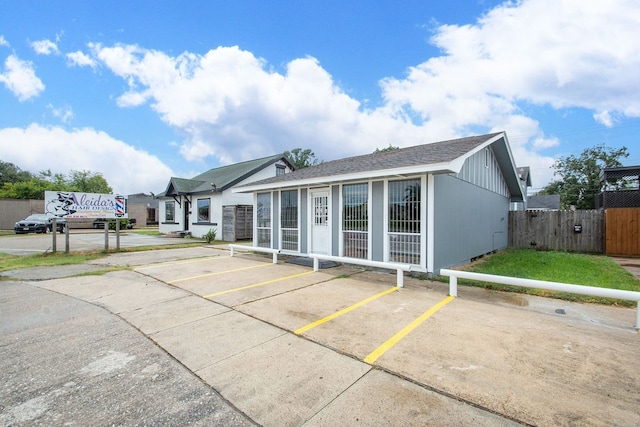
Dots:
(223, 177)
(419, 155)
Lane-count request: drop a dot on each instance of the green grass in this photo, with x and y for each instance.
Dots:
(14, 262)
(578, 269)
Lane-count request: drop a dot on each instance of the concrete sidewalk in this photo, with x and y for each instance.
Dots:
(487, 358)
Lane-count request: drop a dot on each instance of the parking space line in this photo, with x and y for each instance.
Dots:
(374, 355)
(187, 261)
(343, 311)
(216, 273)
(228, 291)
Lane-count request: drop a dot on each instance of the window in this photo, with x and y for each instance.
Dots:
(404, 221)
(280, 170)
(263, 218)
(289, 220)
(203, 210)
(355, 220)
(170, 211)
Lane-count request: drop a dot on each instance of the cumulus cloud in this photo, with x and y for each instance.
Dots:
(232, 105)
(126, 169)
(45, 47)
(4, 42)
(20, 78)
(544, 52)
(65, 114)
(80, 59)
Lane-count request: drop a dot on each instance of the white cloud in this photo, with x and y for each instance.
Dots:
(567, 53)
(45, 47)
(65, 114)
(4, 42)
(80, 59)
(232, 105)
(126, 169)
(20, 78)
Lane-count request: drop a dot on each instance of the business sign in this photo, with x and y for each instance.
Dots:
(69, 204)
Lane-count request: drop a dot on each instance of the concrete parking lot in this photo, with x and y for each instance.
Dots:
(79, 240)
(285, 345)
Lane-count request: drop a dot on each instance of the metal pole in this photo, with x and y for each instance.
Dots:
(400, 278)
(54, 229)
(453, 286)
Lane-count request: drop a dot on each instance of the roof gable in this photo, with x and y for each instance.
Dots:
(222, 178)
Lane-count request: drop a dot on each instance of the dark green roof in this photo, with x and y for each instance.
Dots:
(223, 177)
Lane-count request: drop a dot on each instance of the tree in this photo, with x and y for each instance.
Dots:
(11, 173)
(89, 182)
(301, 158)
(23, 185)
(580, 181)
(389, 148)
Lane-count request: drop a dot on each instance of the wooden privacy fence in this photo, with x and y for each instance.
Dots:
(573, 231)
(623, 227)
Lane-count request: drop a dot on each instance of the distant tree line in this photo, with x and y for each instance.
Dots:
(16, 183)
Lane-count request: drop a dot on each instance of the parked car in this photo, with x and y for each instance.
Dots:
(39, 223)
(100, 222)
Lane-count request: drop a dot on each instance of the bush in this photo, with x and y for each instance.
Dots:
(211, 235)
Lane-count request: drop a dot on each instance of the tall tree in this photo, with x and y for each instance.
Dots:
(580, 175)
(89, 182)
(23, 185)
(301, 158)
(12, 173)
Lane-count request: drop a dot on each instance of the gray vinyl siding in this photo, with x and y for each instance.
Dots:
(335, 219)
(275, 220)
(304, 221)
(469, 221)
(377, 221)
(482, 169)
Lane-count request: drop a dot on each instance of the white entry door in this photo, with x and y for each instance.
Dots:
(320, 225)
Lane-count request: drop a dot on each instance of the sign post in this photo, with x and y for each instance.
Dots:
(54, 227)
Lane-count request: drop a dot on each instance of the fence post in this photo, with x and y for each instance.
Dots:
(453, 285)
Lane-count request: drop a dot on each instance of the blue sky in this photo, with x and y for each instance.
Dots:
(142, 91)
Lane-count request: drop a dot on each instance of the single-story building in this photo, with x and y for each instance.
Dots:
(431, 206)
(197, 205)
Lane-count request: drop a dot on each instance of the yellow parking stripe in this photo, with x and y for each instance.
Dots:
(343, 311)
(374, 355)
(187, 261)
(257, 284)
(217, 273)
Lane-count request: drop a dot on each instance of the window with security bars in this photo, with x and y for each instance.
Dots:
(355, 220)
(263, 218)
(289, 220)
(404, 221)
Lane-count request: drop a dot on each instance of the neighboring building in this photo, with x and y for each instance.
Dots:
(621, 188)
(543, 203)
(433, 206)
(524, 175)
(196, 205)
(144, 208)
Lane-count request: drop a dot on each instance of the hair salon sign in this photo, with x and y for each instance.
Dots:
(69, 204)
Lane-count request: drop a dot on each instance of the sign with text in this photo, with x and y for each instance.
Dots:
(70, 204)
